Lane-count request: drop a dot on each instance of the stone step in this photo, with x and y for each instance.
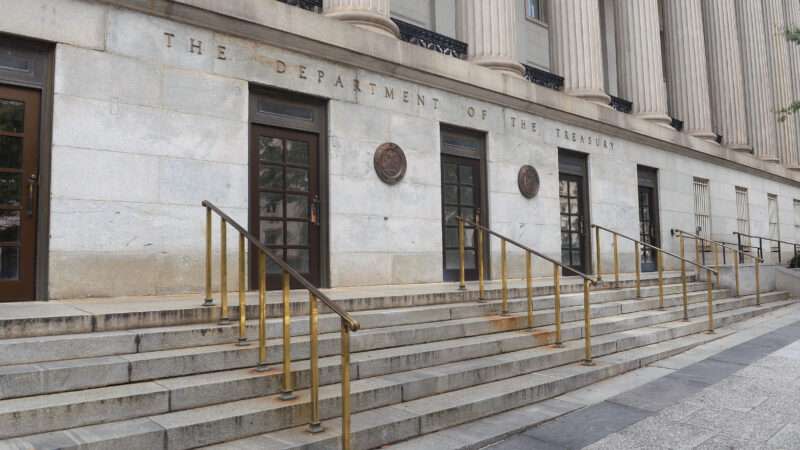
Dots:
(73, 409)
(59, 376)
(85, 345)
(400, 406)
(29, 319)
(379, 427)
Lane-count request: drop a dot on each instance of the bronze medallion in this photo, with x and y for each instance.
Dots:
(390, 163)
(528, 181)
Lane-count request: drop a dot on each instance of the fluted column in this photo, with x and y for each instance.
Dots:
(373, 15)
(640, 68)
(792, 14)
(687, 76)
(725, 73)
(778, 62)
(575, 43)
(489, 27)
(759, 108)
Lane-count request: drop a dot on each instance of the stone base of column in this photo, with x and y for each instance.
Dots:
(770, 159)
(598, 97)
(501, 65)
(742, 148)
(704, 134)
(368, 21)
(657, 118)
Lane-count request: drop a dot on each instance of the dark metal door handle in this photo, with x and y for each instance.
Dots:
(32, 185)
(315, 210)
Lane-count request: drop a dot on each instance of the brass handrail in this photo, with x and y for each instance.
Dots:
(348, 323)
(741, 254)
(557, 268)
(660, 264)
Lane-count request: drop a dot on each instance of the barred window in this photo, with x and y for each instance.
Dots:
(774, 222)
(702, 208)
(743, 214)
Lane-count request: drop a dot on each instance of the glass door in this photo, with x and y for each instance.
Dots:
(461, 196)
(573, 221)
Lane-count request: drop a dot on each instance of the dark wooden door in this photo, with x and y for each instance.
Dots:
(461, 196)
(284, 200)
(648, 227)
(572, 205)
(19, 169)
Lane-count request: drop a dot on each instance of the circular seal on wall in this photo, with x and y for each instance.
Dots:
(390, 163)
(528, 181)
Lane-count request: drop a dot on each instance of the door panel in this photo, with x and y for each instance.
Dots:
(461, 196)
(284, 201)
(573, 221)
(19, 147)
(648, 228)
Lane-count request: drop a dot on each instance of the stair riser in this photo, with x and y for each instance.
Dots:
(196, 314)
(153, 402)
(32, 350)
(16, 382)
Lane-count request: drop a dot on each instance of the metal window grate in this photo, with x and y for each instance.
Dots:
(774, 222)
(743, 214)
(702, 208)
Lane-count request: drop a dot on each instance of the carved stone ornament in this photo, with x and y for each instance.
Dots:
(390, 163)
(528, 181)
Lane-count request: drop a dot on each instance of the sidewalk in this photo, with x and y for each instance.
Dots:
(744, 396)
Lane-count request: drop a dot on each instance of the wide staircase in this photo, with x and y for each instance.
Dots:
(166, 374)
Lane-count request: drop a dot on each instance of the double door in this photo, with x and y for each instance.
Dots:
(572, 207)
(19, 168)
(461, 197)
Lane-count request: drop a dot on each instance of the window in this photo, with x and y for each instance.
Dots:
(743, 214)
(702, 208)
(774, 223)
(534, 9)
(797, 221)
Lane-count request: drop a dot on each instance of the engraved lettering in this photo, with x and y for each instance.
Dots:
(356, 85)
(195, 45)
(574, 136)
(522, 124)
(405, 96)
(558, 132)
(169, 37)
(302, 74)
(320, 76)
(483, 114)
(435, 103)
(420, 100)
(471, 111)
(513, 122)
(339, 82)
(280, 66)
(221, 53)
(389, 92)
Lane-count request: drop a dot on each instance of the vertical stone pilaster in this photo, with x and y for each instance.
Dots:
(758, 101)
(792, 14)
(577, 53)
(687, 75)
(778, 63)
(641, 70)
(489, 27)
(725, 74)
(373, 15)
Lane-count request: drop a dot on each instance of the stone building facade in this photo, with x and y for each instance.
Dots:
(638, 115)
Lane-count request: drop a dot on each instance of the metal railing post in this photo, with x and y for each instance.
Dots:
(262, 312)
(597, 246)
(616, 260)
(557, 302)
(716, 246)
(223, 273)
(683, 280)
(529, 286)
(638, 264)
(461, 278)
(710, 299)
(286, 391)
(504, 275)
(242, 295)
(315, 425)
(345, 338)
(587, 325)
(209, 300)
(481, 294)
(660, 262)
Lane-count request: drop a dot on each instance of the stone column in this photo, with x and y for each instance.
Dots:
(759, 109)
(489, 27)
(778, 63)
(373, 15)
(641, 70)
(792, 14)
(575, 43)
(725, 74)
(687, 76)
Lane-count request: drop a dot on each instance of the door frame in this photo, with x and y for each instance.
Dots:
(648, 177)
(575, 163)
(479, 155)
(37, 73)
(317, 124)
